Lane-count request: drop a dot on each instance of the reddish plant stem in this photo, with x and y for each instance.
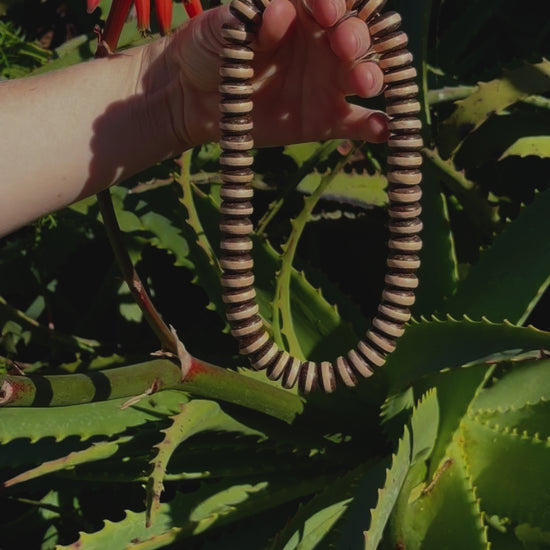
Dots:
(107, 44)
(130, 275)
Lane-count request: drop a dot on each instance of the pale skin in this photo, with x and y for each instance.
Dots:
(74, 132)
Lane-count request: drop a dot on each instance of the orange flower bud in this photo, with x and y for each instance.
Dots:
(192, 7)
(163, 9)
(143, 10)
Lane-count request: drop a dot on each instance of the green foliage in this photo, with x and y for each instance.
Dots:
(447, 446)
(18, 57)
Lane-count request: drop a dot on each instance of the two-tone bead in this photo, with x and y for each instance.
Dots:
(395, 59)
(390, 42)
(404, 212)
(403, 261)
(246, 12)
(385, 24)
(405, 194)
(237, 32)
(344, 372)
(381, 341)
(404, 245)
(359, 363)
(369, 9)
(307, 378)
(248, 328)
(265, 357)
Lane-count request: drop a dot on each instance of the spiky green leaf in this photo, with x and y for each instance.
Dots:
(430, 509)
(104, 418)
(538, 146)
(431, 346)
(492, 97)
(357, 189)
(508, 469)
(512, 274)
(194, 417)
(387, 496)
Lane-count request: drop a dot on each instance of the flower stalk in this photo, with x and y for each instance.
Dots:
(203, 379)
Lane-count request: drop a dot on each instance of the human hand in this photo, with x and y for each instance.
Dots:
(305, 66)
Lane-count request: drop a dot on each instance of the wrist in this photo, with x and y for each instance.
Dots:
(159, 107)
(182, 87)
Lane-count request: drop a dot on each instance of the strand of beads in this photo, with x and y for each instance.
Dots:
(404, 177)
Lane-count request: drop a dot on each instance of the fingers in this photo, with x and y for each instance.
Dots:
(363, 80)
(327, 12)
(278, 18)
(350, 39)
(363, 124)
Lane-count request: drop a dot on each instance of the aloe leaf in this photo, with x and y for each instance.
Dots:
(317, 323)
(157, 213)
(520, 400)
(104, 418)
(97, 451)
(21, 323)
(194, 417)
(425, 426)
(538, 146)
(432, 509)
(531, 418)
(352, 188)
(314, 522)
(438, 270)
(206, 270)
(489, 142)
(526, 382)
(318, 326)
(282, 319)
(509, 487)
(456, 390)
(307, 156)
(492, 97)
(480, 213)
(214, 504)
(431, 346)
(499, 286)
(310, 153)
(315, 528)
(387, 496)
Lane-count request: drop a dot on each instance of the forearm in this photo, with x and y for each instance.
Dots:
(71, 133)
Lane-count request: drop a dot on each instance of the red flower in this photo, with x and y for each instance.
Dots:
(192, 7)
(143, 10)
(119, 12)
(163, 9)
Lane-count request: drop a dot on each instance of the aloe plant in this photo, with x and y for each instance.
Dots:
(105, 446)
